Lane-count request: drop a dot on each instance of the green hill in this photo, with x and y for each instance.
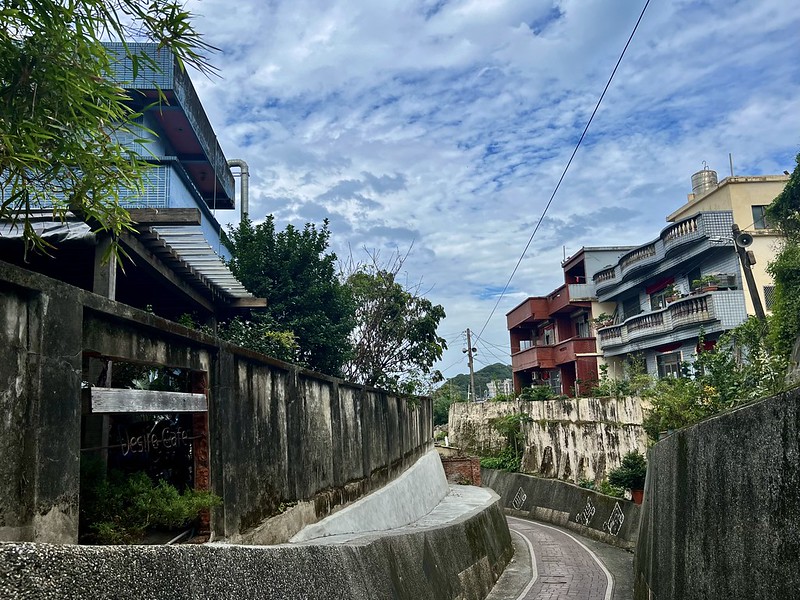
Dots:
(460, 383)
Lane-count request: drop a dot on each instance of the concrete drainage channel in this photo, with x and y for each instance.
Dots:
(456, 550)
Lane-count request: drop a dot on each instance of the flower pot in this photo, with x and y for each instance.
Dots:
(637, 495)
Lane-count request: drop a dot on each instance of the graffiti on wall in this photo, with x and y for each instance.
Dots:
(585, 516)
(615, 520)
(519, 499)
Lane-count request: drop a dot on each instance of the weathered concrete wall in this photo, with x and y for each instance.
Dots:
(574, 439)
(610, 520)
(458, 560)
(721, 515)
(40, 383)
(287, 446)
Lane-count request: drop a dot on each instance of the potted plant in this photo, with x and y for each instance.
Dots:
(630, 475)
(672, 293)
(602, 320)
(707, 283)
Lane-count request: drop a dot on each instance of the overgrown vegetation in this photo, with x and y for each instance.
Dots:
(118, 508)
(537, 392)
(634, 382)
(741, 367)
(604, 487)
(784, 214)
(509, 458)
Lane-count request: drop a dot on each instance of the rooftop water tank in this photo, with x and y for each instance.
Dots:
(703, 181)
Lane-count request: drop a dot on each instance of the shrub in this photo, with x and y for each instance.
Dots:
(631, 474)
(537, 392)
(119, 508)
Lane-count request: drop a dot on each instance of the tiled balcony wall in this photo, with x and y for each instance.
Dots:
(694, 310)
(713, 228)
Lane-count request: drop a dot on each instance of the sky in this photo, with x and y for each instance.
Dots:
(444, 126)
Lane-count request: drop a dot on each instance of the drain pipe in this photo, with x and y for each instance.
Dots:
(244, 184)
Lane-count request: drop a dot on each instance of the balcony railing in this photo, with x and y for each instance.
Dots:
(637, 256)
(680, 231)
(547, 357)
(694, 310)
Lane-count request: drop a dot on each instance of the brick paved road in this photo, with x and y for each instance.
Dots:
(564, 568)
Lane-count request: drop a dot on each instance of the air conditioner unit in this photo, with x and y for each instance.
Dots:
(536, 376)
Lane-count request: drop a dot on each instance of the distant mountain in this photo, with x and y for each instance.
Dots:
(495, 372)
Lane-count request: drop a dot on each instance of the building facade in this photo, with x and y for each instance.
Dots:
(552, 337)
(689, 283)
(176, 251)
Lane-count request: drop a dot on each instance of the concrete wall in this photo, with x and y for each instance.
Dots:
(574, 439)
(287, 446)
(586, 512)
(721, 516)
(459, 560)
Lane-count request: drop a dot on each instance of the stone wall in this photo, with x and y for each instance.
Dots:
(286, 446)
(721, 515)
(584, 511)
(573, 439)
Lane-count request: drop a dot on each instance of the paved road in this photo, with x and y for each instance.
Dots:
(553, 564)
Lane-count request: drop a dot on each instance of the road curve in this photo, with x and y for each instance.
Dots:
(559, 567)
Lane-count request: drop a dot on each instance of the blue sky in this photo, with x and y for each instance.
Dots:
(446, 124)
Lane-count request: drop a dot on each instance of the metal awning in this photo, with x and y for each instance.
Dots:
(182, 249)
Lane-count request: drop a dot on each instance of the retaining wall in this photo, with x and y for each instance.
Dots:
(278, 435)
(460, 560)
(721, 516)
(584, 511)
(573, 438)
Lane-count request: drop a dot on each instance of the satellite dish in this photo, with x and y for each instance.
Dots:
(743, 240)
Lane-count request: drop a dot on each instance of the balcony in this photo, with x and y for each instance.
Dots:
(531, 310)
(535, 357)
(688, 312)
(713, 228)
(547, 357)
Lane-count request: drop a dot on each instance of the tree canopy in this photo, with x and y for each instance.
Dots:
(297, 275)
(784, 214)
(61, 111)
(395, 343)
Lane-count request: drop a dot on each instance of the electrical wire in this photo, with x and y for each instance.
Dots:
(566, 168)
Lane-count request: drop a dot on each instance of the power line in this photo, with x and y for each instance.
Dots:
(566, 168)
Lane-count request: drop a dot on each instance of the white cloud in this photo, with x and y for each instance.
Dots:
(449, 124)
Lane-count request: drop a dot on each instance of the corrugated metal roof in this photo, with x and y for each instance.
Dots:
(183, 249)
(191, 247)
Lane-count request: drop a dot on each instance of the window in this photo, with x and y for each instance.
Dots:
(582, 328)
(631, 307)
(769, 296)
(669, 365)
(658, 300)
(549, 336)
(760, 217)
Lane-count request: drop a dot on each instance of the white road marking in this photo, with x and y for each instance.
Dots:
(534, 568)
(609, 577)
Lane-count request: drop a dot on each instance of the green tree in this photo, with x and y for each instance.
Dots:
(784, 213)
(442, 399)
(61, 111)
(296, 274)
(395, 343)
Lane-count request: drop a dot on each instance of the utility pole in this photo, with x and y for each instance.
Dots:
(747, 258)
(470, 351)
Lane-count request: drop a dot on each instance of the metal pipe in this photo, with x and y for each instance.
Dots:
(244, 184)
